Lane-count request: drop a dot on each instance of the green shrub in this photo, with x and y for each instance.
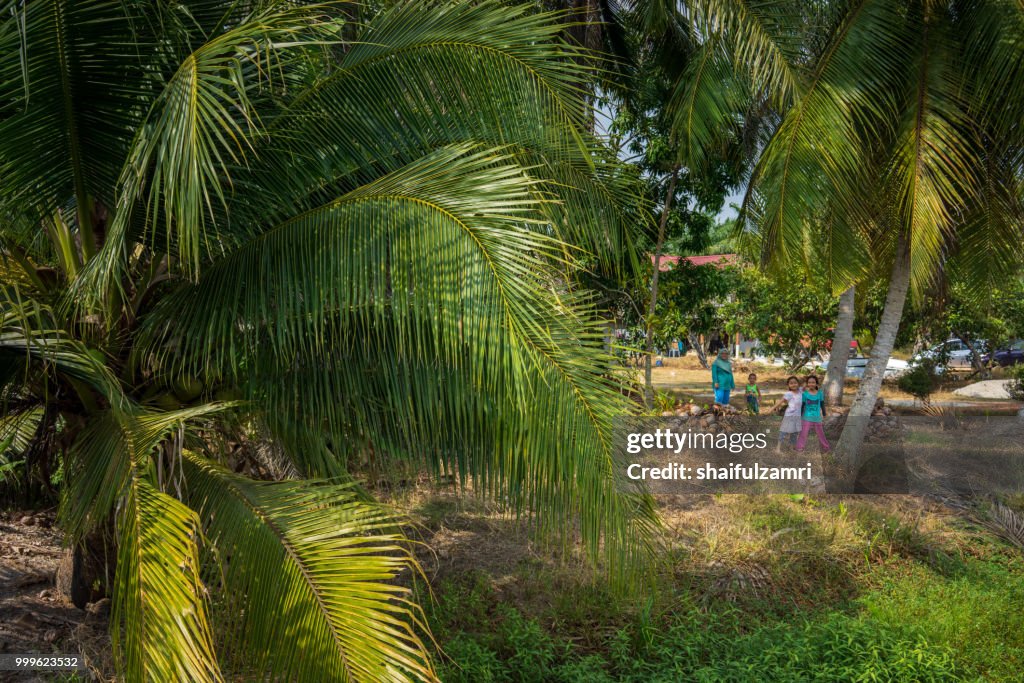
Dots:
(920, 381)
(664, 401)
(1016, 386)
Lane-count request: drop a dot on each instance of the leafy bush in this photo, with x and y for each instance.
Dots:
(664, 401)
(1016, 386)
(920, 381)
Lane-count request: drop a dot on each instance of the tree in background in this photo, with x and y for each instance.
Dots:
(227, 223)
(897, 122)
(953, 309)
(790, 314)
(684, 195)
(692, 304)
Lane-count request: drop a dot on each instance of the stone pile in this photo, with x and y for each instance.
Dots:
(883, 425)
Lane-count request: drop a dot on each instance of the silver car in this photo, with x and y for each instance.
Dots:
(952, 353)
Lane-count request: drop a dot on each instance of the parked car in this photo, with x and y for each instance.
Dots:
(952, 353)
(1011, 355)
(856, 365)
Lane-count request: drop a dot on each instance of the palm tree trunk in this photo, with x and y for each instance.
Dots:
(836, 377)
(848, 448)
(649, 323)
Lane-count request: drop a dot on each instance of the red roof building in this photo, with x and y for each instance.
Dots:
(720, 260)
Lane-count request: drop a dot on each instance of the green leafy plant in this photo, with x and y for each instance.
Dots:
(920, 381)
(247, 246)
(664, 401)
(1015, 387)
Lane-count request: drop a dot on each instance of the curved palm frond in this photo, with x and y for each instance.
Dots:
(107, 454)
(705, 103)
(762, 43)
(433, 268)
(820, 154)
(30, 333)
(160, 621)
(933, 172)
(316, 574)
(412, 84)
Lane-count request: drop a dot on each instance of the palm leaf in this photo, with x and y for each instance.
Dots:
(935, 158)
(324, 559)
(160, 621)
(103, 460)
(434, 268)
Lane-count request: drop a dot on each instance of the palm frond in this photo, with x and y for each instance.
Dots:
(934, 169)
(412, 84)
(433, 268)
(29, 332)
(314, 578)
(819, 157)
(201, 124)
(160, 622)
(763, 46)
(103, 460)
(705, 104)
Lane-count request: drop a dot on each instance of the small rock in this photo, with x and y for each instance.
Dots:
(99, 608)
(695, 411)
(28, 520)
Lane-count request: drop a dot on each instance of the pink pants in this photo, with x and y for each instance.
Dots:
(805, 427)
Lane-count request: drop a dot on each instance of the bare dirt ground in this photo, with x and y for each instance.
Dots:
(34, 617)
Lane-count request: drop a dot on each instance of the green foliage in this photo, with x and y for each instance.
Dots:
(790, 314)
(825, 614)
(690, 300)
(954, 307)
(976, 619)
(709, 647)
(920, 381)
(664, 401)
(364, 237)
(1016, 386)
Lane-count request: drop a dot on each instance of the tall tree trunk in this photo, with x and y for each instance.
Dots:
(978, 367)
(698, 348)
(836, 377)
(649, 323)
(848, 448)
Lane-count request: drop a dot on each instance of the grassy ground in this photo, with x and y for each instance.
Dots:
(747, 588)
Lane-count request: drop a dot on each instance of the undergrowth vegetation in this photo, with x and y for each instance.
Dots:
(784, 588)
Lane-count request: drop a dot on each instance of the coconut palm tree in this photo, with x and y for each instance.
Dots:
(246, 247)
(898, 120)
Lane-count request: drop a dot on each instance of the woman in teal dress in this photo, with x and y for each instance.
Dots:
(721, 377)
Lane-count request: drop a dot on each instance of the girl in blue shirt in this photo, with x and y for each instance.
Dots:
(812, 410)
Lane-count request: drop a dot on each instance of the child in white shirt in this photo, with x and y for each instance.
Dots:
(791, 422)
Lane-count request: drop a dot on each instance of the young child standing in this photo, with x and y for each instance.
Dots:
(753, 395)
(812, 410)
(791, 418)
